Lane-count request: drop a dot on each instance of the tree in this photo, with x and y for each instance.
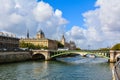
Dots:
(104, 49)
(22, 44)
(78, 49)
(27, 45)
(45, 47)
(38, 47)
(60, 45)
(31, 46)
(116, 47)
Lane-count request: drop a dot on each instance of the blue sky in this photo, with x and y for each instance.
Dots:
(86, 22)
(72, 10)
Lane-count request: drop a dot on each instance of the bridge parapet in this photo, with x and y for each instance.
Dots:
(83, 52)
(116, 71)
(49, 54)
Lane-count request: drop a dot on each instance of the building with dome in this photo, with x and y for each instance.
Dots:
(40, 35)
(41, 41)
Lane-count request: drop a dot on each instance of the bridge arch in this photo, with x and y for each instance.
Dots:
(38, 55)
(117, 57)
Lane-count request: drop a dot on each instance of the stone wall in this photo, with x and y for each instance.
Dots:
(6, 57)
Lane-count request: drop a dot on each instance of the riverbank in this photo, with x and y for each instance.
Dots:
(7, 57)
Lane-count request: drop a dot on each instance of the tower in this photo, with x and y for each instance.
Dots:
(40, 34)
(27, 33)
(63, 40)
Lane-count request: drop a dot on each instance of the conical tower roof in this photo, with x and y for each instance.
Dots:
(40, 32)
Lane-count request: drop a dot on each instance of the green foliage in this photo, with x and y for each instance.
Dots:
(38, 47)
(78, 49)
(60, 45)
(45, 47)
(104, 49)
(31, 46)
(27, 45)
(116, 47)
(23, 44)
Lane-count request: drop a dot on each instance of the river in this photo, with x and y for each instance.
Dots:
(70, 68)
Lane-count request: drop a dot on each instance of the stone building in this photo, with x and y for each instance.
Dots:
(63, 41)
(8, 41)
(71, 45)
(41, 41)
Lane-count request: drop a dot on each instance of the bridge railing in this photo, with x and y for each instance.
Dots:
(117, 70)
(58, 52)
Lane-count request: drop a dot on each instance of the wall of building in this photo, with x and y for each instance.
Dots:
(6, 57)
(52, 44)
(8, 42)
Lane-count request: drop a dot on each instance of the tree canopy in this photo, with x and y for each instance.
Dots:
(104, 49)
(60, 45)
(116, 47)
(31, 46)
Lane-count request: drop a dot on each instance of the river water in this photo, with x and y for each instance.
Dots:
(70, 68)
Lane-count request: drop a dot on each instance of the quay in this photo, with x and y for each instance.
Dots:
(50, 54)
(116, 71)
(6, 57)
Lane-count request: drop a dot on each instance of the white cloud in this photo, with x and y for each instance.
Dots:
(43, 12)
(103, 25)
(58, 13)
(76, 33)
(17, 16)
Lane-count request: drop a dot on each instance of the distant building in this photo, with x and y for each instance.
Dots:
(71, 45)
(41, 41)
(8, 41)
(50, 44)
(63, 41)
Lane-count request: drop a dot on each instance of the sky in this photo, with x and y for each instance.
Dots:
(92, 24)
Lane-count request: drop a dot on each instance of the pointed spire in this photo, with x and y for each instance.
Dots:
(63, 37)
(28, 33)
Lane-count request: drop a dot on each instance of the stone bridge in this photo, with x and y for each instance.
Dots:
(49, 54)
(114, 55)
(45, 53)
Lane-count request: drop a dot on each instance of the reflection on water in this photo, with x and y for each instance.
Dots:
(79, 59)
(76, 68)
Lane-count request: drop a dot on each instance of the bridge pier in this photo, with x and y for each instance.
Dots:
(47, 56)
(46, 53)
(112, 56)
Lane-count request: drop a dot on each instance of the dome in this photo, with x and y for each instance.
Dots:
(40, 32)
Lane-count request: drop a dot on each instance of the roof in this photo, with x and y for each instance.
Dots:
(40, 32)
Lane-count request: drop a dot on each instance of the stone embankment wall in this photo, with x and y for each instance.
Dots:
(6, 57)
